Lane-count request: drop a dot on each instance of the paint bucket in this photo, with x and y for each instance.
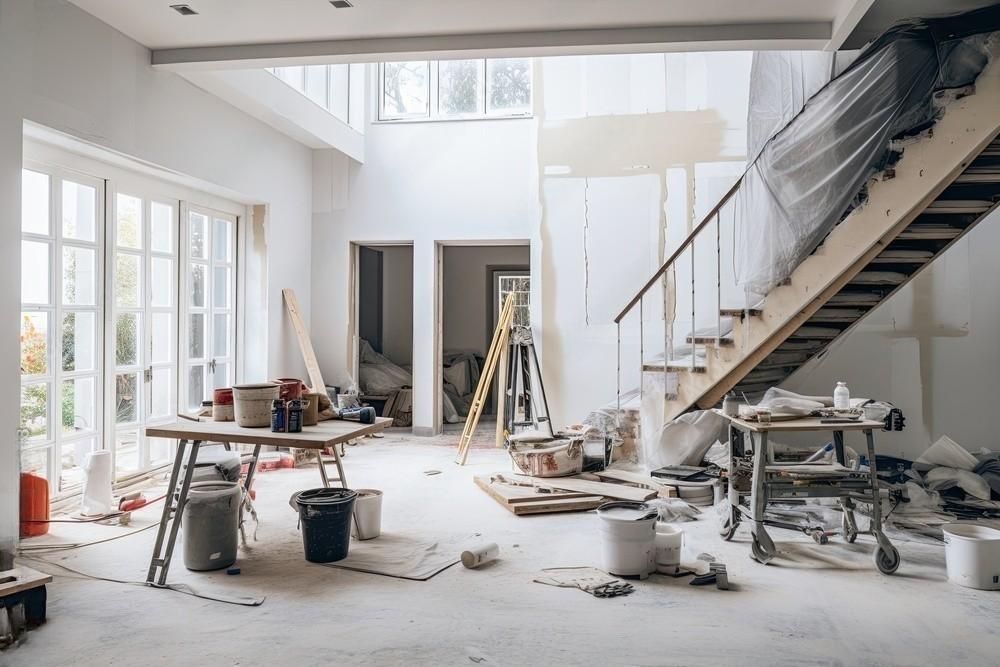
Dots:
(210, 525)
(480, 555)
(972, 555)
(222, 405)
(252, 404)
(628, 532)
(291, 388)
(367, 514)
(310, 411)
(669, 540)
(325, 520)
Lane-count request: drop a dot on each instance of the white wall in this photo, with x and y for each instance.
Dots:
(584, 181)
(933, 349)
(66, 70)
(467, 310)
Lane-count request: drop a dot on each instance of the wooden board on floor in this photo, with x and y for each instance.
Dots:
(511, 493)
(662, 488)
(583, 504)
(524, 500)
(616, 491)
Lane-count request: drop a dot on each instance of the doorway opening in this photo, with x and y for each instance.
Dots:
(385, 330)
(475, 281)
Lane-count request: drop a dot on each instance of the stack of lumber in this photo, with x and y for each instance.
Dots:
(523, 494)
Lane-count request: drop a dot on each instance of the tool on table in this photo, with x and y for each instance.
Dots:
(365, 415)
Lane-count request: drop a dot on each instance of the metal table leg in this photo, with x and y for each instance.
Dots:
(886, 556)
(732, 520)
(762, 548)
(247, 504)
(173, 507)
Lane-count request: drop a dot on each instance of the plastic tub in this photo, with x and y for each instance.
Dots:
(972, 555)
(669, 541)
(252, 404)
(628, 532)
(325, 519)
(368, 514)
(210, 525)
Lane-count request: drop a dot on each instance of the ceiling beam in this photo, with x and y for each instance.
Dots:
(847, 19)
(724, 37)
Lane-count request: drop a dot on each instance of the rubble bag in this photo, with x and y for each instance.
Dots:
(325, 520)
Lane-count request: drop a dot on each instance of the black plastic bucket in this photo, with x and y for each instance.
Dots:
(325, 519)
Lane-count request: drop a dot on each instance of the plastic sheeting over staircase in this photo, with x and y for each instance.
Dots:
(809, 174)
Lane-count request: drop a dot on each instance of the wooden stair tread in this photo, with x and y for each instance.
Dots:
(710, 340)
(674, 368)
(740, 312)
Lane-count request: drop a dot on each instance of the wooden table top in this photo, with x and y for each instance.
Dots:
(801, 425)
(324, 434)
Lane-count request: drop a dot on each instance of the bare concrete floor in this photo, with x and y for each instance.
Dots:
(816, 605)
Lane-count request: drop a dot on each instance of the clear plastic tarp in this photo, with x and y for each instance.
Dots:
(809, 174)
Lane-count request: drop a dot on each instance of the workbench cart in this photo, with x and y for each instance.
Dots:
(772, 482)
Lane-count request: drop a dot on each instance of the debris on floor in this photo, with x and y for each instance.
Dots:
(587, 579)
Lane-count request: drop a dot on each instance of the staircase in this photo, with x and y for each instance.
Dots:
(946, 181)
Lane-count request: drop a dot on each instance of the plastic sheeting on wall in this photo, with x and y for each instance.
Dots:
(809, 174)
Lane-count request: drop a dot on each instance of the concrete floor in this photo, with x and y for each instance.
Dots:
(816, 605)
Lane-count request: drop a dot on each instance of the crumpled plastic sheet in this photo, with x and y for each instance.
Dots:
(813, 171)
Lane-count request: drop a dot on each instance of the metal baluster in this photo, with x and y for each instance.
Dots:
(618, 413)
(694, 332)
(665, 338)
(718, 276)
(642, 358)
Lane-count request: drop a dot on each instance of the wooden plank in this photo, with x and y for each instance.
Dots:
(24, 579)
(515, 499)
(617, 491)
(510, 493)
(566, 505)
(305, 343)
(662, 487)
(324, 434)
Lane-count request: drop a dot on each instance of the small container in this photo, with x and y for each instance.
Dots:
(278, 416)
(294, 422)
(763, 415)
(841, 397)
(731, 404)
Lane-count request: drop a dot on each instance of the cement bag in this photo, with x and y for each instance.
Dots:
(683, 441)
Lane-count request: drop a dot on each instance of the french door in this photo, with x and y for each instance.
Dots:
(143, 323)
(209, 331)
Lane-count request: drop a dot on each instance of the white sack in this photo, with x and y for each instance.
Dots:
(683, 441)
(943, 478)
(948, 453)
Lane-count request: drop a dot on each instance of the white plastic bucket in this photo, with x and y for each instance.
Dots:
(367, 514)
(669, 541)
(628, 531)
(97, 498)
(972, 555)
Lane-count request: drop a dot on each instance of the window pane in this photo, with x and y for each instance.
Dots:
(34, 202)
(196, 234)
(129, 221)
(196, 336)
(127, 335)
(127, 398)
(339, 91)
(222, 240)
(198, 285)
(293, 76)
(34, 343)
(79, 342)
(34, 272)
(160, 385)
(162, 227)
(196, 387)
(161, 282)
(79, 211)
(220, 287)
(126, 452)
(316, 85)
(508, 86)
(162, 333)
(220, 378)
(35, 411)
(405, 89)
(161, 450)
(79, 276)
(128, 283)
(220, 335)
(36, 460)
(79, 405)
(460, 87)
(73, 456)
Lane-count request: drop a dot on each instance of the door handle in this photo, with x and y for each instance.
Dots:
(148, 374)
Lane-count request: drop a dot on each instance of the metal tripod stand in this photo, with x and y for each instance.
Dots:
(525, 405)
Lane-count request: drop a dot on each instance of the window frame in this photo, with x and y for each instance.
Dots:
(434, 114)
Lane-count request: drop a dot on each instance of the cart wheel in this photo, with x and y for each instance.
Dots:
(728, 528)
(850, 530)
(758, 553)
(886, 560)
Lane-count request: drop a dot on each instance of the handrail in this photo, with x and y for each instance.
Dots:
(687, 241)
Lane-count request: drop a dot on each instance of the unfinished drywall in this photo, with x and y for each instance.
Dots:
(64, 69)
(466, 307)
(931, 349)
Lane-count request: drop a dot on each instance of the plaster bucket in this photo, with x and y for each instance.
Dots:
(252, 404)
(972, 555)
(325, 519)
(367, 514)
(669, 540)
(628, 532)
(210, 525)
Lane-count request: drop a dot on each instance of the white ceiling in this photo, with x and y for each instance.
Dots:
(227, 22)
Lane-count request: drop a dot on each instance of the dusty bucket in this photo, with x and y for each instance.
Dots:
(628, 538)
(210, 525)
(252, 404)
(972, 555)
(325, 519)
(368, 514)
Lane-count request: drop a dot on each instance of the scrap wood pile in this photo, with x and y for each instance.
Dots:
(524, 494)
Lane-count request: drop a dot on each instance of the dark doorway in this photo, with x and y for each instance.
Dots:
(370, 274)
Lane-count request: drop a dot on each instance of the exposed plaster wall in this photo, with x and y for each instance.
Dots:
(62, 68)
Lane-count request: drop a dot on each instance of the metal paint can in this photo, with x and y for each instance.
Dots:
(278, 416)
(294, 423)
